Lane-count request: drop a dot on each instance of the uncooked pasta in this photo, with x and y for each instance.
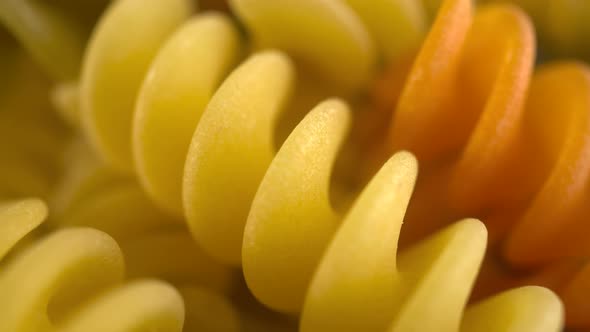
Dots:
(311, 165)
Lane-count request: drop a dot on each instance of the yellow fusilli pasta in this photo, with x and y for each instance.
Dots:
(47, 285)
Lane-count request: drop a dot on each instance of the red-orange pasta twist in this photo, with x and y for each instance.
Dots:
(498, 142)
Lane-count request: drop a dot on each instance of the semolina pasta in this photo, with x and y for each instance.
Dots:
(249, 168)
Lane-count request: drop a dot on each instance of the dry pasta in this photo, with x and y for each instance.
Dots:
(194, 147)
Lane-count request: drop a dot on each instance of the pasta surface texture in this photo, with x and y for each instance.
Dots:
(247, 165)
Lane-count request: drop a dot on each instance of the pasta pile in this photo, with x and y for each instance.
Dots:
(250, 168)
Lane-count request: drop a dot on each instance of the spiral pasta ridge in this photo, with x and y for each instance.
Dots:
(562, 27)
(57, 278)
